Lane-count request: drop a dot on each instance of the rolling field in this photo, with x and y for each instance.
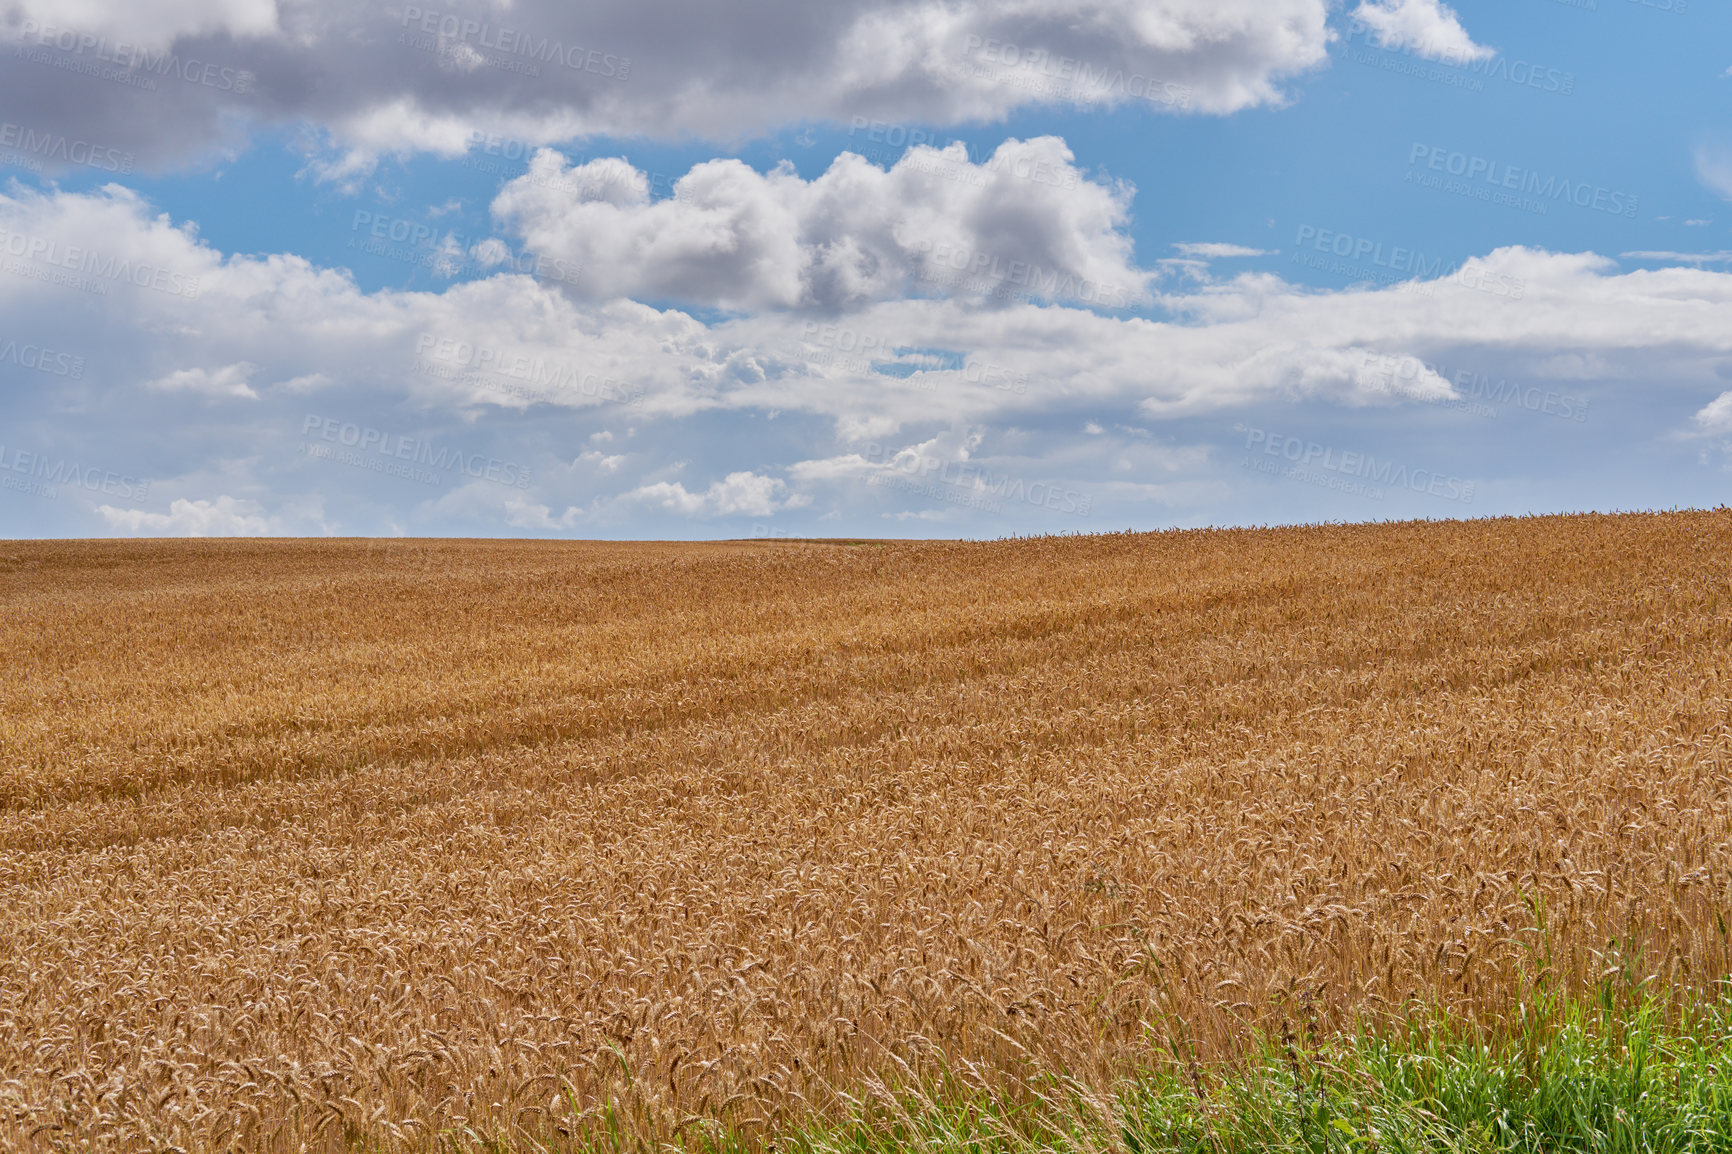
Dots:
(315, 845)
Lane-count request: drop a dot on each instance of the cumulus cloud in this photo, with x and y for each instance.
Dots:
(224, 517)
(1025, 224)
(607, 463)
(228, 381)
(172, 79)
(744, 493)
(1428, 28)
(1716, 416)
(111, 278)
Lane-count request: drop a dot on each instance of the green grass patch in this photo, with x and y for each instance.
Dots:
(1599, 1079)
(1627, 1072)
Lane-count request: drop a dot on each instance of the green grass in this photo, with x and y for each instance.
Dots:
(1578, 1077)
(1627, 1072)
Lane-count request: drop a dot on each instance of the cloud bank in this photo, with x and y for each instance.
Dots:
(280, 393)
(173, 80)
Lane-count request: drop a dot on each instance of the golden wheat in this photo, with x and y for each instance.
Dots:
(309, 844)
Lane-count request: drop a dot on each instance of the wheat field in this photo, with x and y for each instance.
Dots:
(346, 844)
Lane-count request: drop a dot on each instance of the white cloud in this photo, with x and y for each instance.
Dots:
(602, 461)
(1681, 257)
(306, 383)
(1025, 222)
(1714, 169)
(228, 381)
(149, 23)
(1216, 251)
(506, 342)
(224, 517)
(1428, 28)
(523, 514)
(948, 452)
(384, 78)
(1716, 416)
(456, 368)
(746, 493)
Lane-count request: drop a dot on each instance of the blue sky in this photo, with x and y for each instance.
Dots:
(1326, 262)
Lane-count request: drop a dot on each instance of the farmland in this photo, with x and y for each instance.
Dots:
(317, 844)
